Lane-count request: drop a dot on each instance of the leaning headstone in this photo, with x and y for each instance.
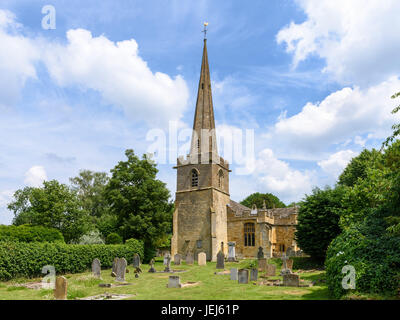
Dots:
(270, 270)
(220, 260)
(177, 259)
(254, 274)
(121, 269)
(201, 259)
(96, 268)
(60, 291)
(262, 264)
(174, 282)
(189, 258)
(152, 270)
(168, 265)
(231, 252)
(243, 276)
(234, 273)
(260, 253)
(166, 256)
(291, 280)
(114, 268)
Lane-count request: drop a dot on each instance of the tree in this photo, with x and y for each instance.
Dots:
(139, 200)
(54, 205)
(258, 199)
(395, 127)
(318, 221)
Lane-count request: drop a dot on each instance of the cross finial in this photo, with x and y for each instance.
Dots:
(205, 30)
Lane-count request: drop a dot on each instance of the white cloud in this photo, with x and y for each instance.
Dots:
(336, 162)
(358, 39)
(341, 116)
(35, 176)
(118, 72)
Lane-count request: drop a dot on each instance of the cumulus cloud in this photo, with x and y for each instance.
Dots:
(118, 72)
(358, 39)
(336, 162)
(35, 176)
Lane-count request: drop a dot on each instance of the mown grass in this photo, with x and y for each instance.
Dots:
(153, 286)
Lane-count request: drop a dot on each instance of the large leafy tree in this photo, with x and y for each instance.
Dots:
(258, 199)
(318, 221)
(54, 205)
(139, 200)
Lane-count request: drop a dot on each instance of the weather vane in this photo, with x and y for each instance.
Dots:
(205, 30)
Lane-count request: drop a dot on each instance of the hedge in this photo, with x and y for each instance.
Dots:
(19, 259)
(306, 263)
(27, 233)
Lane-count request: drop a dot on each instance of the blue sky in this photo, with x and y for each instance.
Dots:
(312, 79)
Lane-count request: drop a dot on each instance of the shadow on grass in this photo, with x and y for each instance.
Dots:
(319, 294)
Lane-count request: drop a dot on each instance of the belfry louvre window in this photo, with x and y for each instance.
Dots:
(249, 235)
(195, 178)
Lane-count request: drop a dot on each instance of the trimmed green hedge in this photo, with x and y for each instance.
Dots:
(19, 259)
(27, 233)
(306, 263)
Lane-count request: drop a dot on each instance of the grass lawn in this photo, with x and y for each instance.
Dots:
(153, 286)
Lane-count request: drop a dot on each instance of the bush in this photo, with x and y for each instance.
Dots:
(27, 259)
(113, 238)
(27, 233)
(93, 237)
(306, 263)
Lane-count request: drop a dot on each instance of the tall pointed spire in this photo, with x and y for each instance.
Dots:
(204, 138)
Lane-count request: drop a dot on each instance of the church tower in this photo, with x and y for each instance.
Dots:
(202, 192)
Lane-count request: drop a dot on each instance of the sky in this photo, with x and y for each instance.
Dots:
(307, 82)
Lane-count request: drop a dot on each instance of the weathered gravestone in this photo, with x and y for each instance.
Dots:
(168, 265)
(189, 258)
(177, 259)
(271, 270)
(234, 273)
(152, 270)
(231, 252)
(166, 256)
(289, 264)
(243, 276)
(60, 291)
(291, 280)
(136, 261)
(120, 270)
(114, 268)
(260, 253)
(262, 264)
(201, 259)
(285, 269)
(220, 260)
(254, 274)
(174, 282)
(96, 268)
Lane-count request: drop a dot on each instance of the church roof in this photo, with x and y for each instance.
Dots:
(237, 207)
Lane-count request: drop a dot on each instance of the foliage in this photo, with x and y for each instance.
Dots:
(28, 259)
(139, 200)
(318, 221)
(107, 223)
(306, 263)
(54, 205)
(134, 243)
(258, 199)
(27, 233)
(251, 264)
(92, 237)
(395, 127)
(114, 238)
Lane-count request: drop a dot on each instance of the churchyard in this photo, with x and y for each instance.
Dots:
(198, 282)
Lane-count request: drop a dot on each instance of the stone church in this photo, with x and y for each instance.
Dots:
(205, 218)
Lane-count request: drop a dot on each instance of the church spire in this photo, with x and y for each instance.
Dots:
(204, 137)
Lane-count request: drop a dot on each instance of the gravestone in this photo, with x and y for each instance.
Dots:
(174, 282)
(254, 274)
(114, 268)
(234, 274)
(177, 259)
(60, 291)
(243, 276)
(231, 252)
(201, 259)
(220, 260)
(136, 261)
(285, 269)
(166, 256)
(289, 264)
(189, 258)
(168, 265)
(96, 268)
(270, 270)
(262, 264)
(260, 253)
(121, 269)
(291, 280)
(290, 252)
(152, 270)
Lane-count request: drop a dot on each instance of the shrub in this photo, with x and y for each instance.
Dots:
(306, 263)
(27, 233)
(93, 237)
(113, 238)
(27, 259)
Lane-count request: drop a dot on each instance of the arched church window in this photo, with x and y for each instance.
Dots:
(249, 235)
(220, 179)
(195, 178)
